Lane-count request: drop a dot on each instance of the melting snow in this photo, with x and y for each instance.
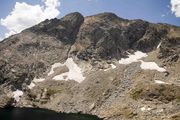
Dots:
(133, 58)
(151, 66)
(146, 109)
(35, 80)
(137, 56)
(73, 74)
(113, 66)
(159, 45)
(17, 94)
(160, 82)
(55, 65)
(143, 109)
(106, 69)
(161, 110)
(38, 80)
(31, 85)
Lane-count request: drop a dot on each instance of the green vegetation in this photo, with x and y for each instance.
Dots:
(51, 91)
(135, 94)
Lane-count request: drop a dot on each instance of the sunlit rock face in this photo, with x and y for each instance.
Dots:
(102, 64)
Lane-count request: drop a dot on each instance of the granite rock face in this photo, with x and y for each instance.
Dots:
(30, 53)
(95, 43)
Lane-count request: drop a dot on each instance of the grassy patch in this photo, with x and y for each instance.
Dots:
(54, 91)
(128, 113)
(135, 94)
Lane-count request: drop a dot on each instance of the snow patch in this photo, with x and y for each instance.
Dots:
(145, 109)
(159, 45)
(31, 86)
(113, 66)
(137, 56)
(36, 80)
(17, 94)
(151, 66)
(161, 110)
(160, 82)
(73, 74)
(132, 58)
(106, 69)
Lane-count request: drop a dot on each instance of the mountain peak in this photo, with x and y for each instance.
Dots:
(106, 14)
(71, 16)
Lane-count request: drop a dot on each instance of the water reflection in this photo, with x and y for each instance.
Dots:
(40, 114)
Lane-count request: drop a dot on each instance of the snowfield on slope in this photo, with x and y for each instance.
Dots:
(112, 67)
(34, 81)
(159, 45)
(32, 85)
(17, 94)
(151, 66)
(73, 74)
(160, 82)
(133, 58)
(136, 57)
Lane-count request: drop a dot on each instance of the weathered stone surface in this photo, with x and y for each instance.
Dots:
(162, 92)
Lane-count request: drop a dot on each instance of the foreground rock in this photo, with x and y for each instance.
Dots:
(5, 100)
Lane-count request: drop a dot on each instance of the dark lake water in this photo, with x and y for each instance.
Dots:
(40, 114)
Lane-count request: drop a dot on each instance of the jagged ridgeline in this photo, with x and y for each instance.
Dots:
(102, 64)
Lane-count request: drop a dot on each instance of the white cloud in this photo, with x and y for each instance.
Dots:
(163, 15)
(52, 3)
(175, 7)
(11, 32)
(24, 15)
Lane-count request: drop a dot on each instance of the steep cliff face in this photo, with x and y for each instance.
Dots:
(106, 36)
(30, 53)
(90, 49)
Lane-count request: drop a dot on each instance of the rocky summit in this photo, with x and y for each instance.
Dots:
(103, 65)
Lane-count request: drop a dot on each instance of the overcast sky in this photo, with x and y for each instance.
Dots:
(17, 15)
